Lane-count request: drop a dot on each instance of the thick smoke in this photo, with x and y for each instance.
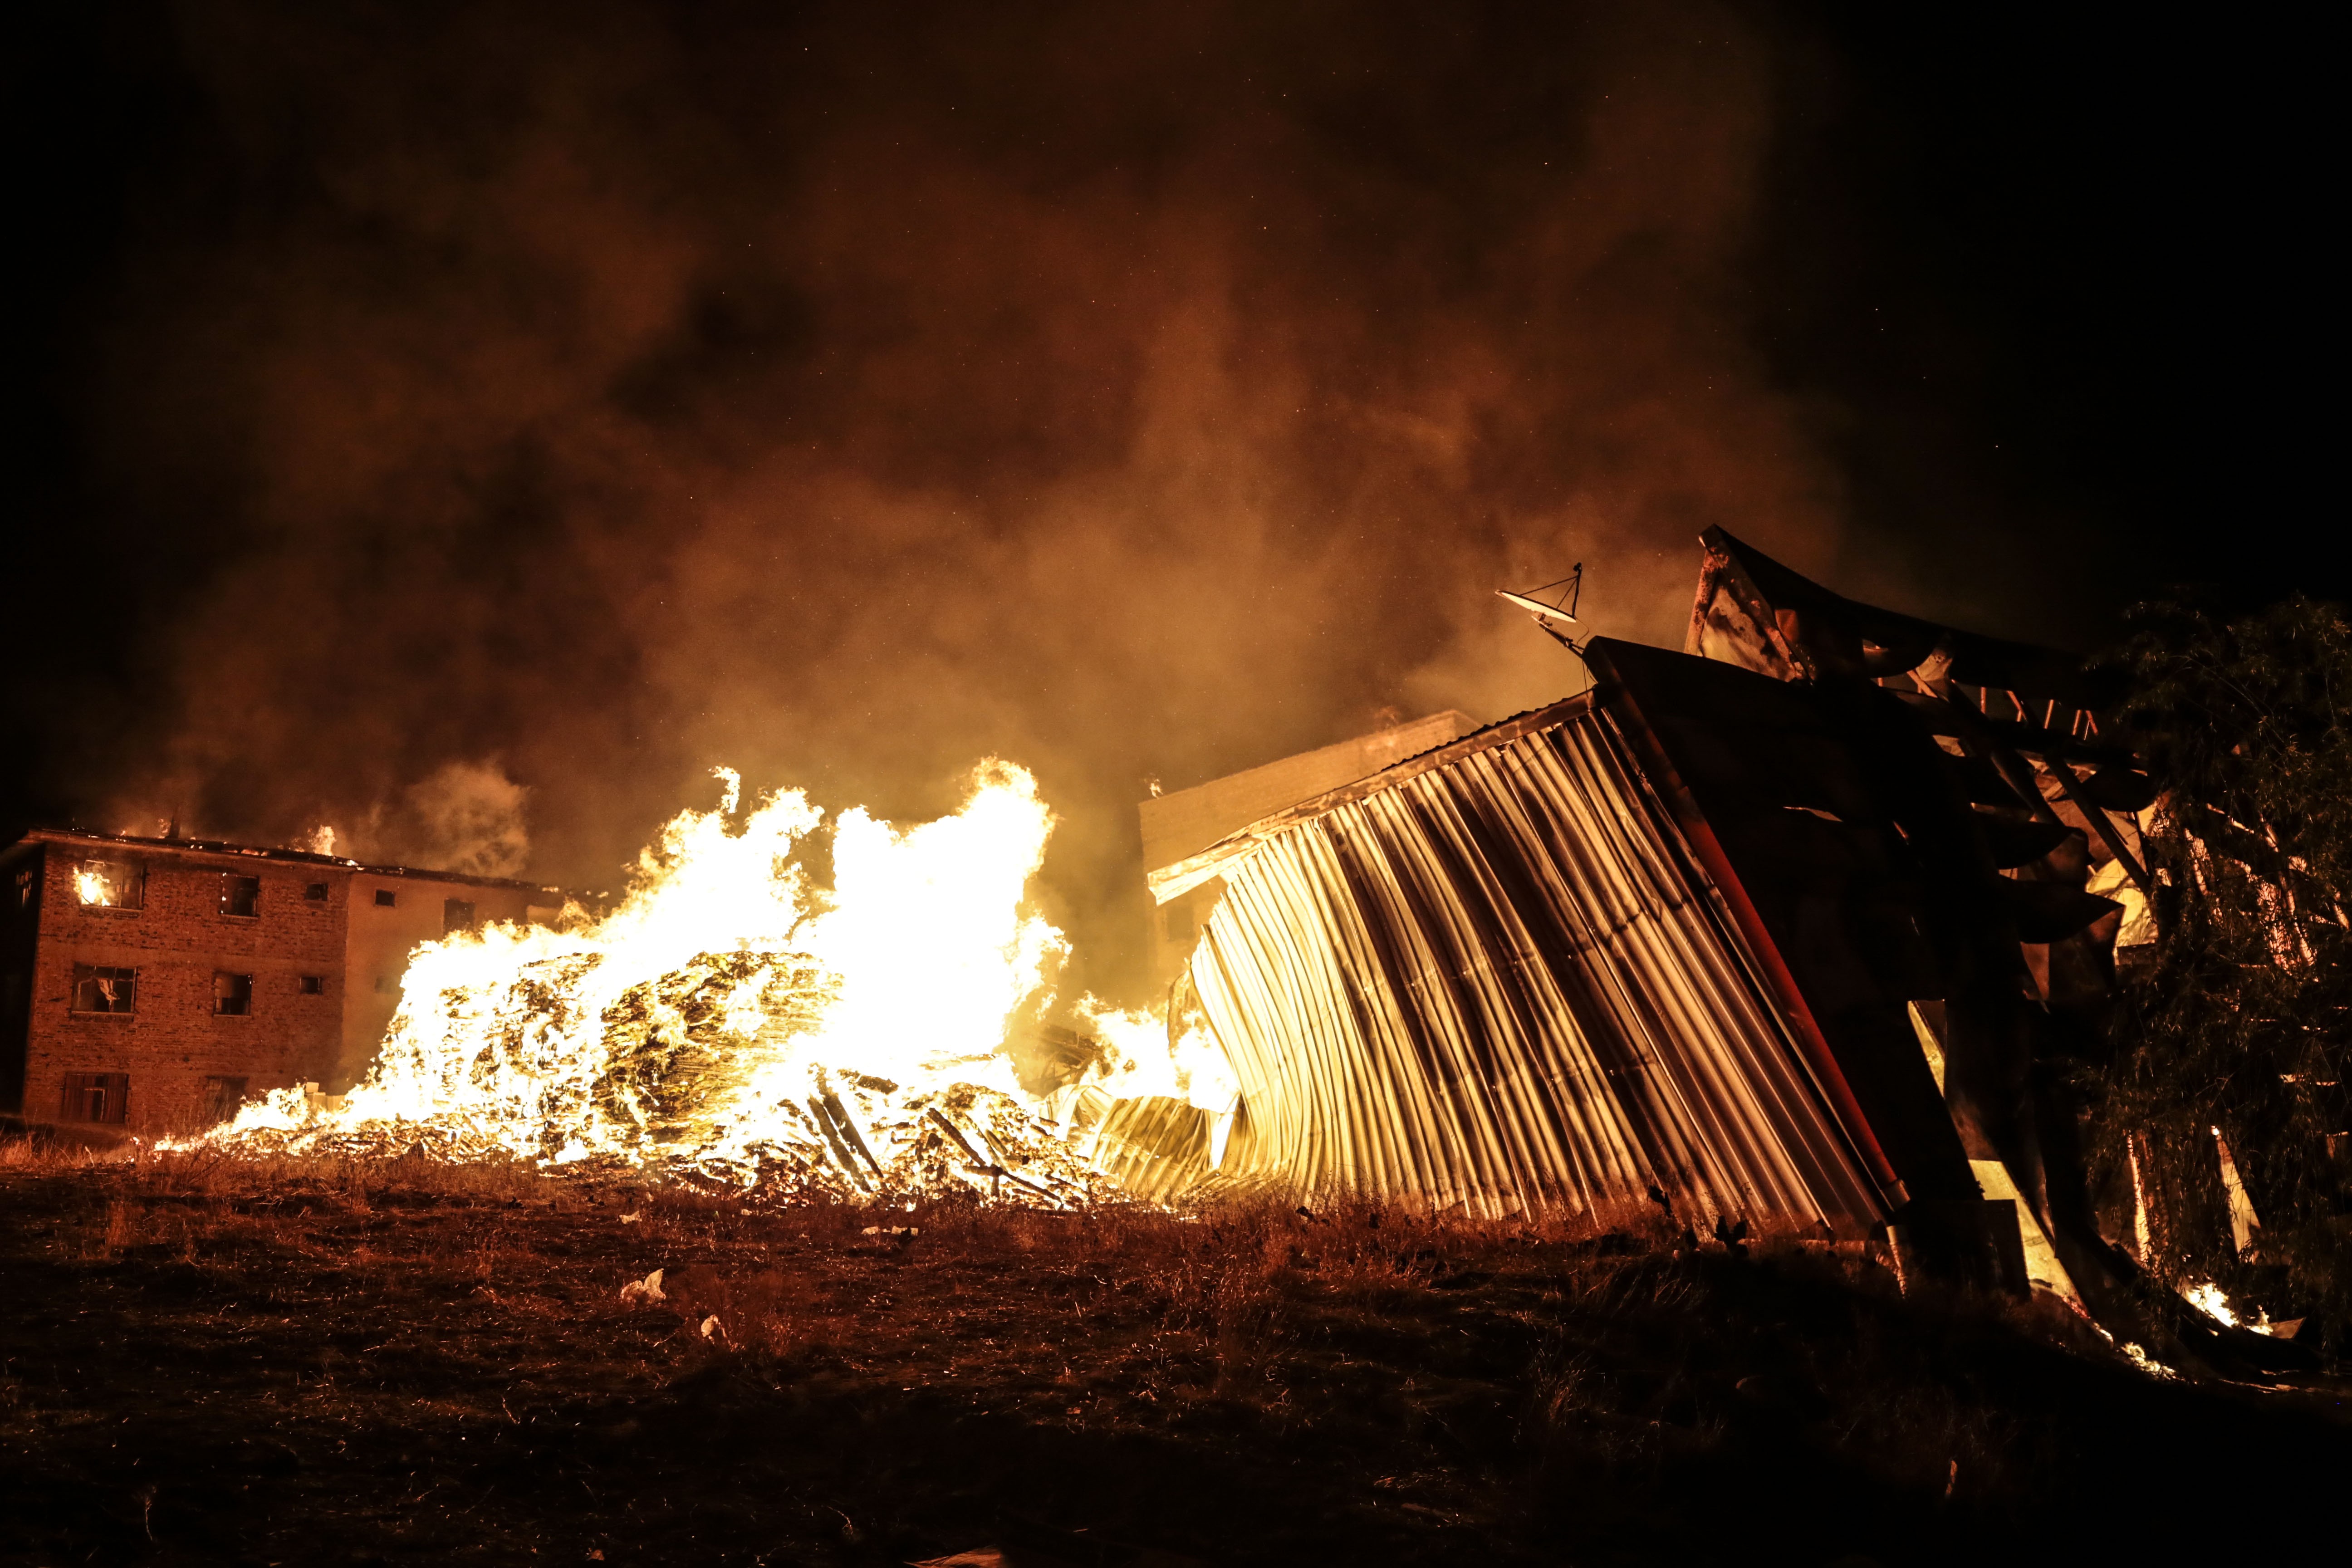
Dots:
(614, 392)
(463, 816)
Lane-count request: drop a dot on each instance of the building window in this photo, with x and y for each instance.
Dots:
(385, 898)
(316, 893)
(312, 984)
(95, 1097)
(25, 885)
(97, 989)
(457, 915)
(221, 1097)
(232, 995)
(240, 895)
(110, 885)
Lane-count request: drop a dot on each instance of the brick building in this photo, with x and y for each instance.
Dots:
(150, 985)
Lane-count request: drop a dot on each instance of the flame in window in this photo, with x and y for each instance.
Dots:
(102, 885)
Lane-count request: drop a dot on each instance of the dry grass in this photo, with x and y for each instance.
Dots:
(221, 1359)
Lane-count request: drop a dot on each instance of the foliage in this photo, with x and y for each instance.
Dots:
(2238, 1028)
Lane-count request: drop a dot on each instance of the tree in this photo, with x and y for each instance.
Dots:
(2236, 1033)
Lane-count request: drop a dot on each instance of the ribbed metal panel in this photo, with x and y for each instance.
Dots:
(1503, 982)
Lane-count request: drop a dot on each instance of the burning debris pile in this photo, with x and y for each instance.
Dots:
(731, 1021)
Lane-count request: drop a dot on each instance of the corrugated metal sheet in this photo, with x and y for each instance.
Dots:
(1497, 977)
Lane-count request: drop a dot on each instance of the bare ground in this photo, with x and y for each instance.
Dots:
(212, 1361)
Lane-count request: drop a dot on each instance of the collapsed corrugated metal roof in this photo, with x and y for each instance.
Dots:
(1496, 977)
(2026, 719)
(1691, 932)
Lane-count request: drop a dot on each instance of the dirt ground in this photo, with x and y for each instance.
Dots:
(206, 1361)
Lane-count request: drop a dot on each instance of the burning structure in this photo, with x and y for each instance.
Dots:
(153, 984)
(1776, 928)
(730, 1020)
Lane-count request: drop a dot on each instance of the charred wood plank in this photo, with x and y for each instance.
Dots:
(956, 1133)
(849, 1132)
(2102, 827)
(2032, 740)
(841, 1136)
(1977, 733)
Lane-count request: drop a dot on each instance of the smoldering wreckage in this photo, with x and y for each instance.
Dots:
(1775, 935)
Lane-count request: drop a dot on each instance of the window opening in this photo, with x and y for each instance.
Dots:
(24, 885)
(110, 885)
(312, 985)
(240, 895)
(95, 1097)
(221, 1097)
(232, 995)
(384, 897)
(316, 893)
(100, 989)
(457, 914)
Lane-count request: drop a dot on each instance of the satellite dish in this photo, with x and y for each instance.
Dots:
(1570, 590)
(1536, 606)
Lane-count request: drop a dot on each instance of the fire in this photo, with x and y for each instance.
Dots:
(93, 886)
(2207, 1298)
(732, 1019)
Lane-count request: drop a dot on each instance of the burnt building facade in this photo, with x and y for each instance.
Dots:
(152, 985)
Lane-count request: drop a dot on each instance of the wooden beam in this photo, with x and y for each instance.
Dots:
(2033, 740)
(1977, 732)
(2102, 827)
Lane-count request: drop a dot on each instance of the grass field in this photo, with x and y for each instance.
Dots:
(214, 1360)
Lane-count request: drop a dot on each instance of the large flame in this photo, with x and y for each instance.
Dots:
(732, 1018)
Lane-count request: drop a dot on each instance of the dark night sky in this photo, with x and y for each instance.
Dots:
(584, 394)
